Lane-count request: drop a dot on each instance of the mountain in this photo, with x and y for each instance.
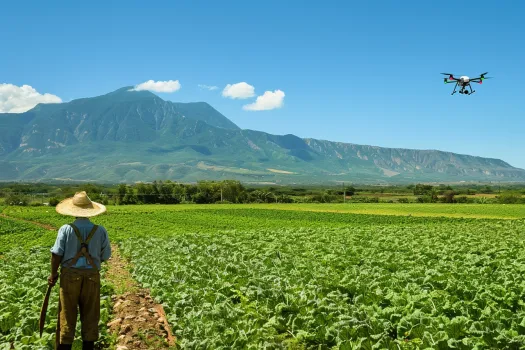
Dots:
(129, 135)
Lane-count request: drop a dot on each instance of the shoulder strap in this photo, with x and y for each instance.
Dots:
(91, 233)
(83, 245)
(79, 236)
(77, 232)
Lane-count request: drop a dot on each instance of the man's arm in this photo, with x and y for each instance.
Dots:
(57, 251)
(55, 264)
(106, 247)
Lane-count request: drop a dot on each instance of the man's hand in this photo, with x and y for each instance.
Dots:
(52, 279)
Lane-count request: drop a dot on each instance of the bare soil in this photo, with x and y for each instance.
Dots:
(138, 322)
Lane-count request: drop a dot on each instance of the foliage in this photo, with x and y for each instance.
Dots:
(209, 192)
(53, 202)
(23, 283)
(509, 198)
(293, 276)
(441, 284)
(421, 189)
(16, 199)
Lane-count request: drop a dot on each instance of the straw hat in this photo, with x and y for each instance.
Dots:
(80, 206)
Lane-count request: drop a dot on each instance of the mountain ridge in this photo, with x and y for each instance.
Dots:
(128, 135)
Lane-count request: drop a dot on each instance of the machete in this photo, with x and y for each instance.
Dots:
(43, 311)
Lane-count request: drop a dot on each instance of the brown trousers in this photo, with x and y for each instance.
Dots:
(79, 288)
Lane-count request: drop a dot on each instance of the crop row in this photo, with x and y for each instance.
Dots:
(123, 221)
(448, 284)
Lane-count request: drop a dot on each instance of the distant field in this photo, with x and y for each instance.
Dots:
(489, 211)
(247, 216)
(494, 211)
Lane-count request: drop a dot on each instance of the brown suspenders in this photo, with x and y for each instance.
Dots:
(83, 245)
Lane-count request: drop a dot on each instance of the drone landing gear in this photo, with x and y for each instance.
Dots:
(455, 86)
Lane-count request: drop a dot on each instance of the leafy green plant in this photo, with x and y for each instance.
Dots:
(24, 269)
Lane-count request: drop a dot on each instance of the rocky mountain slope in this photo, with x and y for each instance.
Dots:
(129, 135)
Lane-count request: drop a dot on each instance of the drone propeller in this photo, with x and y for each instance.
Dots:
(450, 76)
(483, 78)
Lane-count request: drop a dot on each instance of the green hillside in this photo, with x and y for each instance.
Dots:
(127, 136)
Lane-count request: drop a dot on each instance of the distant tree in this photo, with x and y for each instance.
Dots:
(421, 189)
(165, 191)
(54, 201)
(130, 197)
(121, 192)
(486, 189)
(179, 192)
(207, 192)
(93, 191)
(233, 191)
(350, 191)
(17, 199)
(283, 198)
(448, 196)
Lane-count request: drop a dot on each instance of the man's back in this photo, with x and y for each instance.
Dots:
(67, 244)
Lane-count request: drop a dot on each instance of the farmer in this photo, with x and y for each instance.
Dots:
(79, 249)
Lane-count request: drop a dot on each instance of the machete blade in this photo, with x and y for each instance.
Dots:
(43, 311)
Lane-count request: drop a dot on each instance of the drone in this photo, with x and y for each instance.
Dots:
(464, 82)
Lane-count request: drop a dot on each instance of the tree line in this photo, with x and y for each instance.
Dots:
(232, 191)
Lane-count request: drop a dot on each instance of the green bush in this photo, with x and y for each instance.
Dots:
(16, 199)
(509, 198)
(462, 199)
(53, 201)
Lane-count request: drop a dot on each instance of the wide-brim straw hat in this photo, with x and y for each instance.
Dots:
(80, 206)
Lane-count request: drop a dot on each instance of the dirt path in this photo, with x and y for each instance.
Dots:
(39, 224)
(138, 321)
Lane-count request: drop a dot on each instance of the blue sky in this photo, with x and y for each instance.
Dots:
(364, 72)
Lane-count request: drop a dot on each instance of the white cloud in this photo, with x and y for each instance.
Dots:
(208, 87)
(269, 100)
(19, 99)
(239, 90)
(159, 86)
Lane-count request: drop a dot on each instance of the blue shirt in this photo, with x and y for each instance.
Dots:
(67, 244)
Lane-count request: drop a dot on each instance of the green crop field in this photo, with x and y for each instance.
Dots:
(334, 276)
(24, 268)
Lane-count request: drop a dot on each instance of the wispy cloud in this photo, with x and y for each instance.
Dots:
(239, 90)
(208, 87)
(19, 99)
(158, 86)
(269, 100)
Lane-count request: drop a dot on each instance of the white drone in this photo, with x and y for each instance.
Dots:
(464, 82)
